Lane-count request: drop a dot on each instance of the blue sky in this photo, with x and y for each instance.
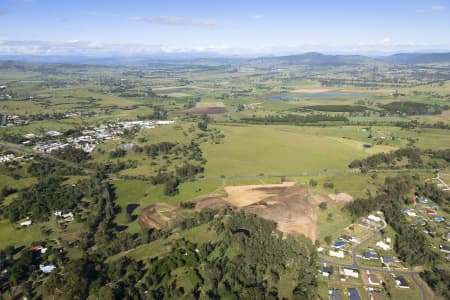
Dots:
(233, 27)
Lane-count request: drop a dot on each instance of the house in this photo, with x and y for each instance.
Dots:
(334, 294)
(383, 245)
(327, 271)
(364, 223)
(26, 223)
(351, 273)
(444, 248)
(353, 294)
(339, 244)
(439, 218)
(430, 212)
(388, 260)
(370, 255)
(339, 254)
(400, 282)
(374, 218)
(346, 237)
(411, 214)
(423, 200)
(47, 269)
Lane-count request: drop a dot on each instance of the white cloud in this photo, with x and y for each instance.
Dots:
(99, 49)
(258, 17)
(175, 21)
(437, 8)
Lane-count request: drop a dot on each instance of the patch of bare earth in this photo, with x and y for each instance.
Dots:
(292, 206)
(157, 216)
(446, 113)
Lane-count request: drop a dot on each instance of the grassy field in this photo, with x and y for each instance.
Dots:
(253, 150)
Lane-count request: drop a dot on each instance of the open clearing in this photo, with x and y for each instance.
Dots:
(252, 150)
(290, 205)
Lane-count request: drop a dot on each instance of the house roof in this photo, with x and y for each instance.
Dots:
(339, 244)
(388, 259)
(353, 294)
(370, 255)
(335, 295)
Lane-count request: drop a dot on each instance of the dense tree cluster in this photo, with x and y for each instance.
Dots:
(42, 199)
(438, 280)
(412, 108)
(335, 108)
(413, 155)
(72, 154)
(296, 119)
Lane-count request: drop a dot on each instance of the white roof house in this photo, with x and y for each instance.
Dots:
(374, 218)
(339, 253)
(26, 223)
(351, 273)
(383, 245)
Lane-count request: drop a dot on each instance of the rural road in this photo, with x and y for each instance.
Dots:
(316, 173)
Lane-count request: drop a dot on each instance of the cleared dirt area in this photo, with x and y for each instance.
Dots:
(446, 113)
(203, 110)
(292, 206)
(157, 216)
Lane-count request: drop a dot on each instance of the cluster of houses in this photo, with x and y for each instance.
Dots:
(373, 222)
(425, 213)
(9, 157)
(91, 137)
(342, 242)
(11, 120)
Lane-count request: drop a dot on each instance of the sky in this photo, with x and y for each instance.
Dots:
(245, 27)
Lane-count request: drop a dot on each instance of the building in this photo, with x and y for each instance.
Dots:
(346, 237)
(383, 245)
(26, 223)
(351, 273)
(439, 218)
(334, 294)
(388, 260)
(339, 254)
(339, 244)
(353, 294)
(47, 269)
(370, 255)
(400, 282)
(374, 218)
(444, 248)
(327, 271)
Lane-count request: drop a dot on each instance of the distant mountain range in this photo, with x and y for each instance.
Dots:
(310, 58)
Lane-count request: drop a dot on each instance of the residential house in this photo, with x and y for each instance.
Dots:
(388, 260)
(351, 273)
(353, 294)
(383, 245)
